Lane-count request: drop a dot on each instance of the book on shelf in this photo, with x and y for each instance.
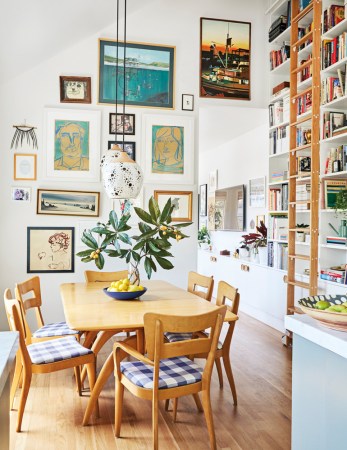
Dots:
(331, 188)
(333, 50)
(337, 277)
(303, 4)
(286, 108)
(336, 160)
(306, 72)
(331, 89)
(281, 87)
(340, 130)
(277, 27)
(303, 31)
(278, 176)
(303, 192)
(279, 140)
(333, 124)
(336, 240)
(278, 198)
(303, 136)
(278, 227)
(278, 57)
(278, 255)
(333, 15)
(304, 103)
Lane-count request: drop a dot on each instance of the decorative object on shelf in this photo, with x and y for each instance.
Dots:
(300, 235)
(22, 132)
(224, 252)
(72, 144)
(21, 194)
(122, 123)
(169, 148)
(128, 147)
(181, 201)
(75, 89)
(151, 246)
(329, 310)
(213, 181)
(225, 59)
(150, 73)
(68, 203)
(252, 224)
(122, 176)
(25, 166)
(50, 249)
(203, 200)
(258, 241)
(204, 239)
(187, 102)
(341, 203)
(257, 193)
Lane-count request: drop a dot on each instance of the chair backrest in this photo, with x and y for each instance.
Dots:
(28, 293)
(227, 292)
(94, 275)
(196, 281)
(9, 301)
(157, 324)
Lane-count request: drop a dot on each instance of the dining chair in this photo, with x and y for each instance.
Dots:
(45, 356)
(166, 372)
(196, 281)
(28, 293)
(93, 276)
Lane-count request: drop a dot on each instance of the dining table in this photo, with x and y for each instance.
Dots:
(87, 308)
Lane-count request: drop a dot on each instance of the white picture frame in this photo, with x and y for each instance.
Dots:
(257, 192)
(171, 125)
(213, 181)
(58, 131)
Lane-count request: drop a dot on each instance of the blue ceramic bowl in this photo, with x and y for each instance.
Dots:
(124, 295)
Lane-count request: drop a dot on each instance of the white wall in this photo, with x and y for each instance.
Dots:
(25, 96)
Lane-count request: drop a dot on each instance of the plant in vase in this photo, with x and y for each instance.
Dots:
(244, 249)
(151, 246)
(204, 239)
(258, 241)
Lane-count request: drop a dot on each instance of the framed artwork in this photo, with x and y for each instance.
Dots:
(75, 90)
(213, 180)
(203, 200)
(50, 249)
(21, 194)
(187, 102)
(127, 207)
(129, 147)
(257, 192)
(169, 149)
(122, 124)
(225, 49)
(149, 71)
(68, 203)
(182, 201)
(72, 144)
(258, 219)
(211, 209)
(25, 166)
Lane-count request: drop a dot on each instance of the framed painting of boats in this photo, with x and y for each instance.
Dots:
(149, 70)
(225, 57)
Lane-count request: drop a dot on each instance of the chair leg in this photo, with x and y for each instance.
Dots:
(23, 398)
(90, 338)
(198, 402)
(119, 395)
(206, 403)
(91, 369)
(155, 415)
(229, 372)
(17, 374)
(174, 409)
(77, 371)
(167, 404)
(220, 373)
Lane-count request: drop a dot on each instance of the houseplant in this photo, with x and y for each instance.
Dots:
(204, 239)
(258, 241)
(244, 249)
(151, 246)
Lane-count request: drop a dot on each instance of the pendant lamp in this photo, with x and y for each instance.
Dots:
(122, 177)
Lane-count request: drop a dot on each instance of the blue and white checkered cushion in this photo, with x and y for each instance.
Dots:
(56, 350)
(173, 372)
(176, 337)
(54, 329)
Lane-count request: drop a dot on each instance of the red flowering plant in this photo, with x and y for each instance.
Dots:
(256, 239)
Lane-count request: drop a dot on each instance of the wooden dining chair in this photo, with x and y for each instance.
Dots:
(166, 372)
(28, 293)
(200, 285)
(45, 356)
(93, 276)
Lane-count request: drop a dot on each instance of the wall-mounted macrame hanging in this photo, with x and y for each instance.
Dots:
(23, 132)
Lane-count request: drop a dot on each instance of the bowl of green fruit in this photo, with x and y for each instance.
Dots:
(124, 290)
(330, 310)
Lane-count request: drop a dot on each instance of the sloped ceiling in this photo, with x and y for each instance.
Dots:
(32, 31)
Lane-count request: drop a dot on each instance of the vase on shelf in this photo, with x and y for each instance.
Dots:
(134, 274)
(243, 252)
(262, 252)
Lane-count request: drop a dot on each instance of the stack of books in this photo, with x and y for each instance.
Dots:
(277, 177)
(336, 160)
(337, 240)
(338, 276)
(303, 192)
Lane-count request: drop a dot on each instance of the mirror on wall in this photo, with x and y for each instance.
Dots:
(230, 209)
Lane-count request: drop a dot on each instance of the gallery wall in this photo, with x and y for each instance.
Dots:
(26, 96)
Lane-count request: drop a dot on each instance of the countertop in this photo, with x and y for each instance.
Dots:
(310, 329)
(9, 342)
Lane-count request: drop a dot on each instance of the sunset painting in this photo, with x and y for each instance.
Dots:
(225, 59)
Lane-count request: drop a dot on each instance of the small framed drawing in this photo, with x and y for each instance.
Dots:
(25, 166)
(213, 181)
(75, 90)
(187, 102)
(203, 199)
(68, 203)
(169, 149)
(129, 147)
(50, 249)
(121, 123)
(21, 194)
(182, 202)
(72, 150)
(257, 192)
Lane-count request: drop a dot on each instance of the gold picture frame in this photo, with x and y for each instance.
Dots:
(25, 166)
(183, 201)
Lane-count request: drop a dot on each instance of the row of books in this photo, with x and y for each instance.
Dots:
(304, 103)
(338, 276)
(305, 73)
(303, 31)
(277, 255)
(336, 160)
(334, 123)
(278, 198)
(279, 140)
(333, 87)
(333, 15)
(279, 111)
(278, 57)
(303, 192)
(333, 50)
(303, 136)
(278, 228)
(278, 176)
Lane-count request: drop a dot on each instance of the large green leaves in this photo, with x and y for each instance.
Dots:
(89, 240)
(164, 263)
(154, 209)
(144, 216)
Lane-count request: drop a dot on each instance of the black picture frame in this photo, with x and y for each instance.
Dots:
(203, 199)
(113, 120)
(187, 102)
(39, 259)
(130, 147)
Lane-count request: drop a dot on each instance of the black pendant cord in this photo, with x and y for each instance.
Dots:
(124, 75)
(117, 53)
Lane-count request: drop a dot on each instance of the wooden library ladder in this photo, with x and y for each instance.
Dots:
(314, 8)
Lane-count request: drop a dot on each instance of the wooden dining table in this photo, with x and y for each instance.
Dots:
(88, 308)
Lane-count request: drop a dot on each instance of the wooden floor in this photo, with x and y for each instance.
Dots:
(262, 419)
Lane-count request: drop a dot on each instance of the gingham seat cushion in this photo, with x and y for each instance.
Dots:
(176, 337)
(56, 350)
(54, 329)
(173, 372)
